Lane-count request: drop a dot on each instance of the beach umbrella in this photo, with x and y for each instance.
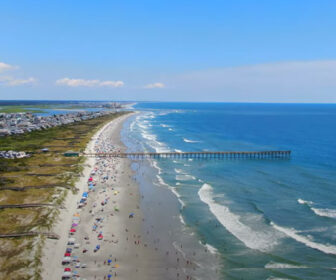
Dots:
(76, 215)
(109, 276)
(67, 269)
(67, 255)
(72, 230)
(74, 225)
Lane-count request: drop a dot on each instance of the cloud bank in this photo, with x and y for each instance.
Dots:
(88, 83)
(155, 85)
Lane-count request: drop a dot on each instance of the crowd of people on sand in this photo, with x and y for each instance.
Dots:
(89, 250)
(100, 187)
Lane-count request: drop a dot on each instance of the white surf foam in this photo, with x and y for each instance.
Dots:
(330, 213)
(154, 143)
(154, 164)
(184, 177)
(301, 201)
(323, 212)
(173, 190)
(132, 126)
(211, 249)
(179, 171)
(181, 219)
(190, 141)
(325, 248)
(258, 240)
(178, 151)
(272, 264)
(164, 125)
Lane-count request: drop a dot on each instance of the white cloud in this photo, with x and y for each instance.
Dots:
(112, 83)
(88, 83)
(4, 67)
(155, 85)
(11, 81)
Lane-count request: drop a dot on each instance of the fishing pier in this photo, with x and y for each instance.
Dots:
(197, 155)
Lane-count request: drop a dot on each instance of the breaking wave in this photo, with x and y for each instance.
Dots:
(272, 264)
(258, 240)
(323, 212)
(308, 241)
(330, 213)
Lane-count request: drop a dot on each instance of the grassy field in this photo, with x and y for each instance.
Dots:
(20, 257)
(19, 109)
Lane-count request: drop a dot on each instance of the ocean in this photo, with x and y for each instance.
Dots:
(262, 218)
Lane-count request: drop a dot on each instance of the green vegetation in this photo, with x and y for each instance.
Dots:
(19, 109)
(16, 255)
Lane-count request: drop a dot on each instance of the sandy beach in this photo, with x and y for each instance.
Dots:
(110, 240)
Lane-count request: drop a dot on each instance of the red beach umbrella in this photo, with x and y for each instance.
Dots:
(67, 255)
(67, 269)
(72, 230)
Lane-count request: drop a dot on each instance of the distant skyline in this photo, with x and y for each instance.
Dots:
(215, 51)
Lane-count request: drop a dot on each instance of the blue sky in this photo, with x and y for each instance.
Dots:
(244, 51)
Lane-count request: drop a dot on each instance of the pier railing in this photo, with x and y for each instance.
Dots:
(197, 155)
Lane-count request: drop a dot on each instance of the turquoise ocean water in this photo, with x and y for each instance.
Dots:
(267, 219)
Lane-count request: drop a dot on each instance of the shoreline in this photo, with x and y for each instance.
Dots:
(163, 209)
